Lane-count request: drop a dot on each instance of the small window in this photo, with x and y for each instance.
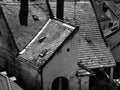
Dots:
(60, 83)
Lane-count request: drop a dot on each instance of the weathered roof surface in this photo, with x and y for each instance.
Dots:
(7, 43)
(7, 84)
(99, 12)
(113, 8)
(45, 43)
(3, 83)
(114, 44)
(92, 51)
(118, 5)
(23, 34)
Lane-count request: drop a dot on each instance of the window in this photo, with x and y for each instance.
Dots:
(60, 83)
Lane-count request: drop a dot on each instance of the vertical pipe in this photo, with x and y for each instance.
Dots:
(60, 9)
(49, 9)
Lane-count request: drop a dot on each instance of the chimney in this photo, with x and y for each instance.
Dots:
(60, 9)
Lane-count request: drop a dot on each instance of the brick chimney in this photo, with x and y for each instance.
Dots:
(60, 9)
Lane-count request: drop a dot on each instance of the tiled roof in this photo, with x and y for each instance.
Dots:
(118, 5)
(99, 12)
(113, 8)
(7, 84)
(92, 51)
(45, 43)
(22, 34)
(4, 83)
(7, 43)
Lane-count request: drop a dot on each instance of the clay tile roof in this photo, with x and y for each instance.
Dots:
(99, 12)
(92, 51)
(7, 43)
(45, 43)
(40, 39)
(113, 8)
(118, 6)
(7, 84)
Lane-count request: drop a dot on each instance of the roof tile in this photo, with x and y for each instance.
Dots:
(93, 52)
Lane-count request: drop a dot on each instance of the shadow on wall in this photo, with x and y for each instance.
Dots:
(28, 77)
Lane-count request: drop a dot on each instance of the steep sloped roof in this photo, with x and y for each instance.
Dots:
(25, 36)
(7, 43)
(92, 51)
(45, 43)
(22, 34)
(118, 5)
(111, 5)
(99, 12)
(7, 84)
